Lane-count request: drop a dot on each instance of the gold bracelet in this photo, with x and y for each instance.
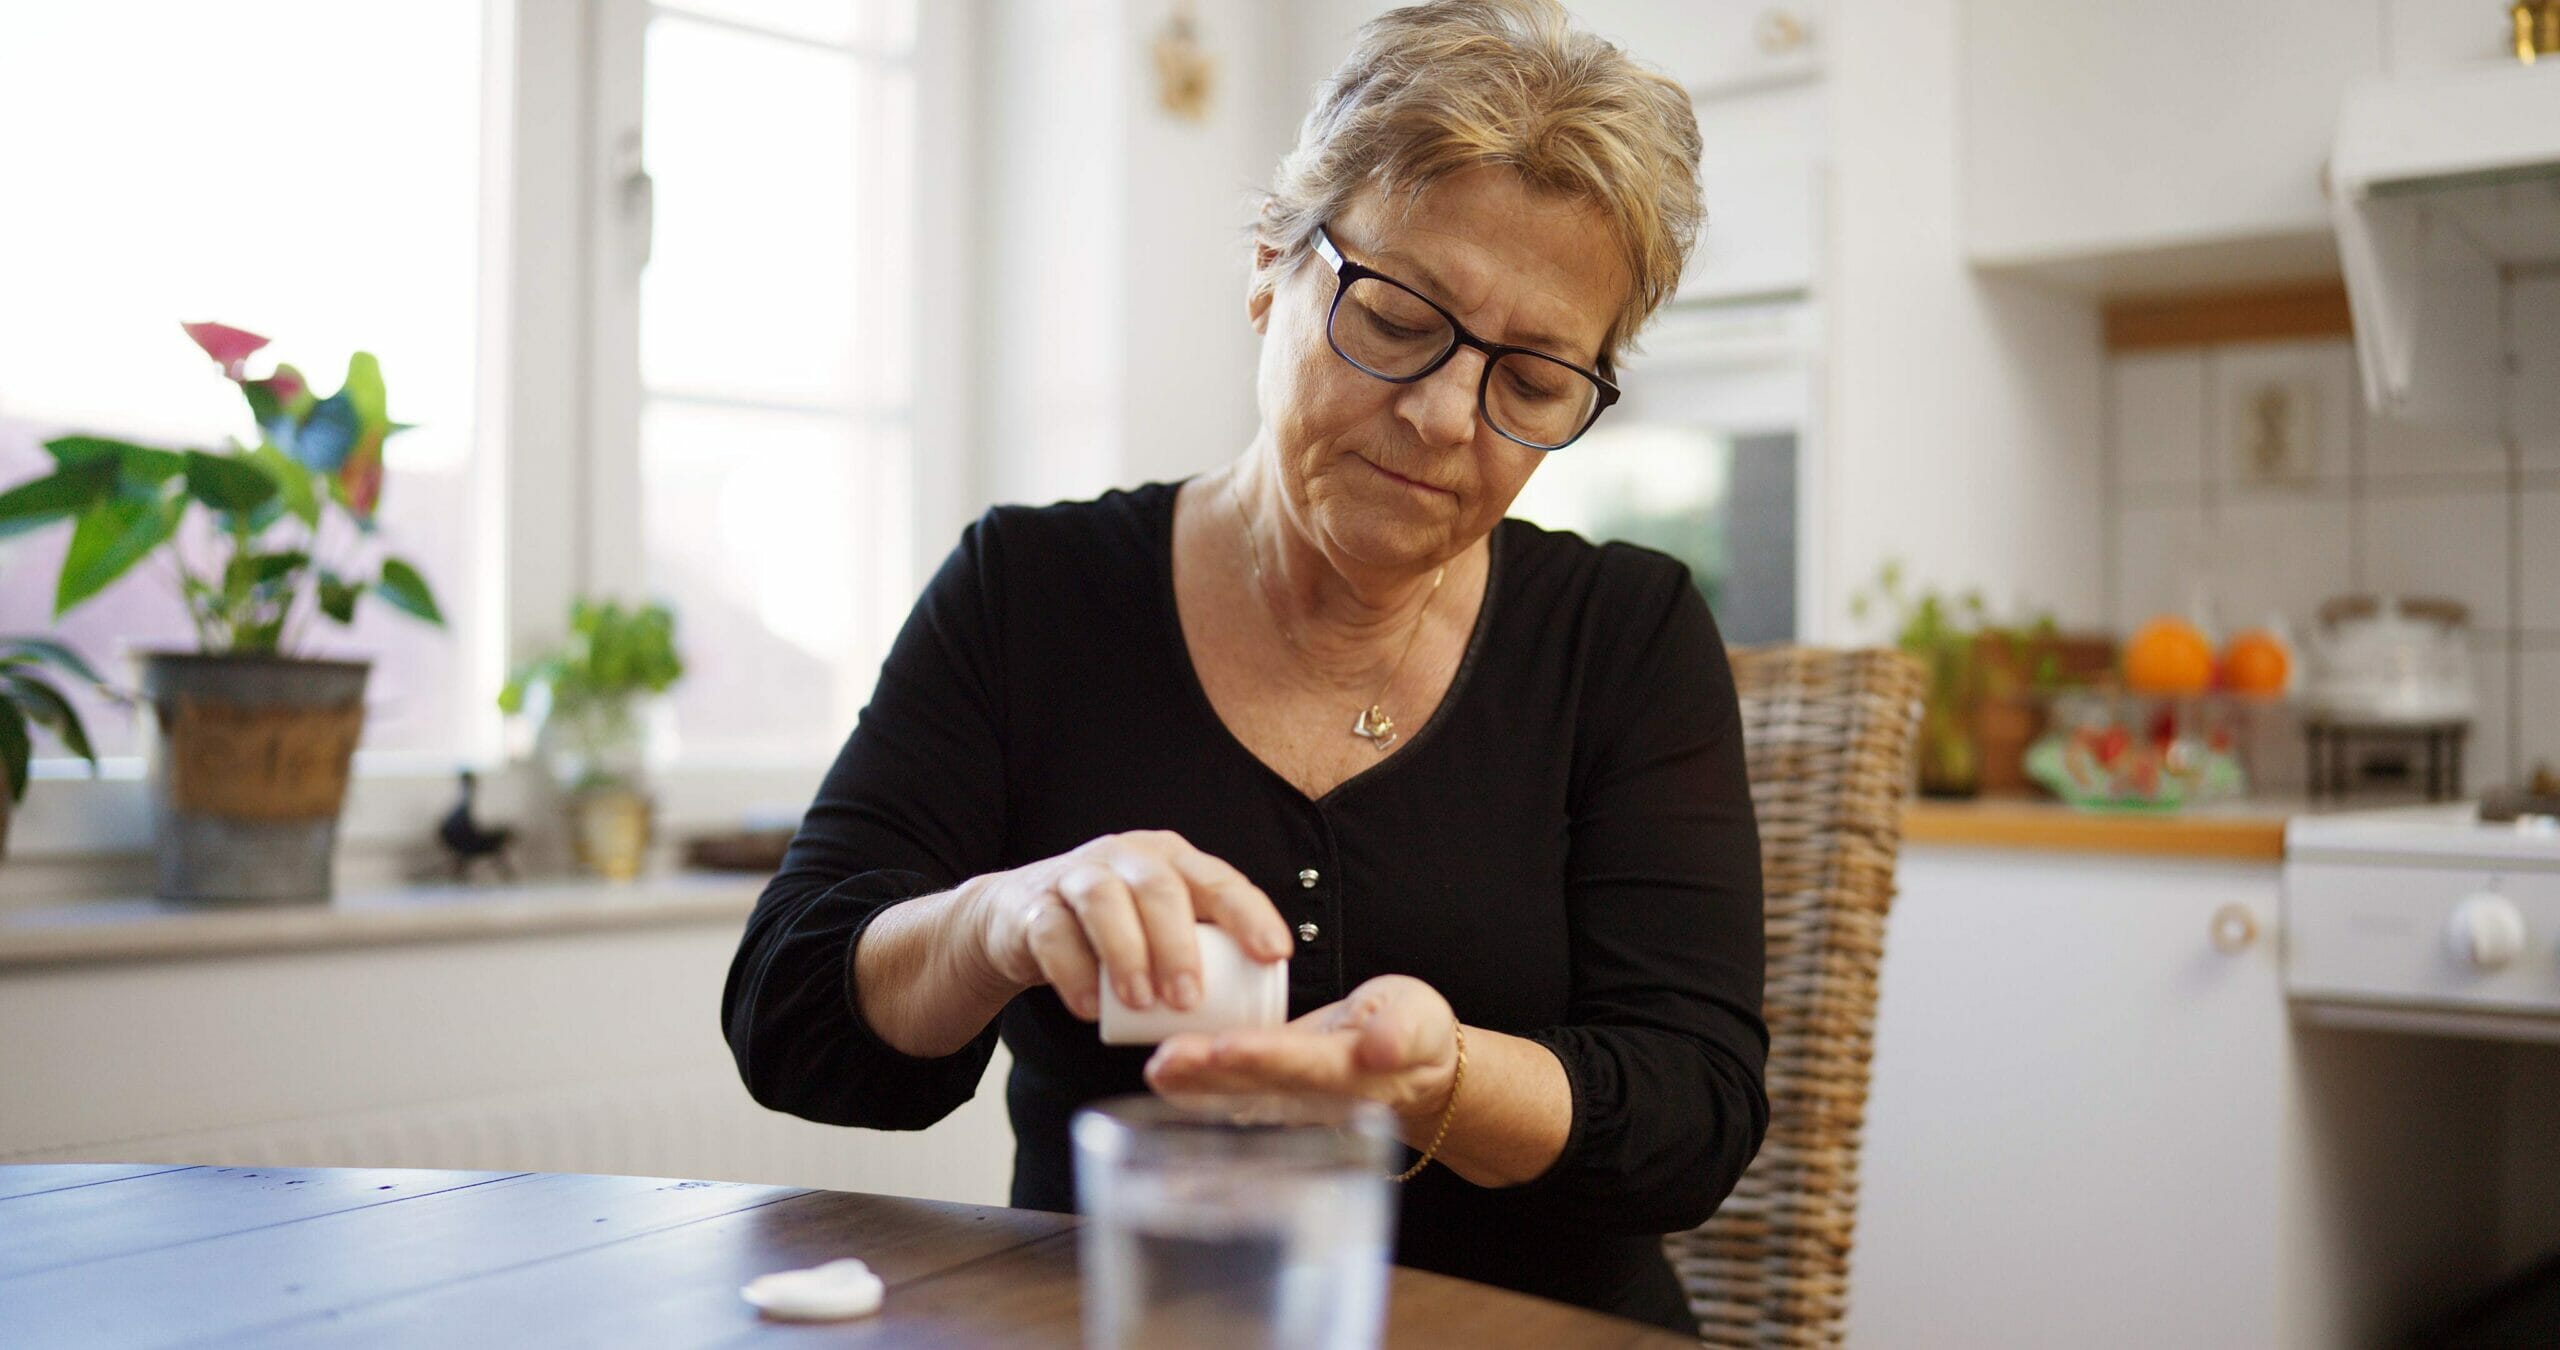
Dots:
(1447, 1113)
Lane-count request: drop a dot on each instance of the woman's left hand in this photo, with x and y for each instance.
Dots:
(1392, 1041)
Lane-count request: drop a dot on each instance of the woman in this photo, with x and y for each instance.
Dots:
(1482, 784)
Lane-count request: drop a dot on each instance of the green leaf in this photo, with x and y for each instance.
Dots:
(50, 710)
(14, 748)
(72, 451)
(256, 521)
(364, 389)
(250, 574)
(228, 483)
(338, 597)
(406, 590)
(258, 638)
(110, 538)
(142, 468)
(46, 649)
(236, 578)
(139, 465)
(293, 482)
(543, 672)
(65, 492)
(272, 567)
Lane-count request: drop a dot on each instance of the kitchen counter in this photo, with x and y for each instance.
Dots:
(2249, 829)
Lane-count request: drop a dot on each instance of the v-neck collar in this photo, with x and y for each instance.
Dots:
(1180, 648)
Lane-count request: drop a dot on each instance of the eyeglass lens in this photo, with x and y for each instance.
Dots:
(1393, 333)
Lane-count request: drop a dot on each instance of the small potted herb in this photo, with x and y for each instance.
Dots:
(1986, 682)
(250, 742)
(591, 697)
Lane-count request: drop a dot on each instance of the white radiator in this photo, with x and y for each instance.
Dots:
(593, 1052)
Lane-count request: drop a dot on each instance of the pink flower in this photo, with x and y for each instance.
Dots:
(229, 347)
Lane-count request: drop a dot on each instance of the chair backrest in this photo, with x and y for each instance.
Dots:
(1829, 738)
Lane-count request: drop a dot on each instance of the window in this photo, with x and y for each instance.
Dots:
(263, 165)
(645, 276)
(1720, 501)
(775, 393)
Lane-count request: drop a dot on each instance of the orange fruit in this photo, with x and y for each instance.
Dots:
(2255, 662)
(2168, 656)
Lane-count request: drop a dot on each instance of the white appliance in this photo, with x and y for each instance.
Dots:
(2425, 919)
(2440, 185)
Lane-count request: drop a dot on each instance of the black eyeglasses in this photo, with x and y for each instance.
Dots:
(1394, 332)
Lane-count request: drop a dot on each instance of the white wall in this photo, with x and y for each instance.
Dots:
(1964, 413)
(1112, 340)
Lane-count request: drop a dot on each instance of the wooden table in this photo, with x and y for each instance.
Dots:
(132, 1255)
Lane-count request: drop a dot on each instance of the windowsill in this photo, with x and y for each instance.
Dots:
(120, 930)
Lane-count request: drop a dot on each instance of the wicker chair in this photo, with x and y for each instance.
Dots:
(1829, 739)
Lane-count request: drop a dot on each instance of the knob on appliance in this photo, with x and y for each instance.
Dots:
(2486, 931)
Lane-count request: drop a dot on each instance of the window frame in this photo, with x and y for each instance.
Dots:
(561, 228)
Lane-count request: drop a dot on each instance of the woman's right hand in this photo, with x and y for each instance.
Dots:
(1123, 907)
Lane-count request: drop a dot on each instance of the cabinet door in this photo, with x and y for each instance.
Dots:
(2075, 1129)
(2092, 129)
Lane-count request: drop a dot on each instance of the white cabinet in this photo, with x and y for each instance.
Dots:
(2074, 1131)
(2187, 127)
(2094, 1123)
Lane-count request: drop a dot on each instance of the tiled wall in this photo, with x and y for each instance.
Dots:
(2201, 525)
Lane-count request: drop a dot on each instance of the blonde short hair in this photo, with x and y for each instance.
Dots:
(1435, 89)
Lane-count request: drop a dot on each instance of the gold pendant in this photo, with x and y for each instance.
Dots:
(1375, 727)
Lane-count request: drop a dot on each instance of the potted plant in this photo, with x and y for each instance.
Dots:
(28, 699)
(591, 696)
(1986, 682)
(248, 742)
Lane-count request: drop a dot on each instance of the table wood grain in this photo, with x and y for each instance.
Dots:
(150, 1255)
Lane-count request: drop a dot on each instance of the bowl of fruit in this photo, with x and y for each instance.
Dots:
(2131, 752)
(2171, 738)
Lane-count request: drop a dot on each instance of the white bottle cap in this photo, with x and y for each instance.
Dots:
(1235, 991)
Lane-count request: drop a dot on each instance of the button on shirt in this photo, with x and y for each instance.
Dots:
(1566, 851)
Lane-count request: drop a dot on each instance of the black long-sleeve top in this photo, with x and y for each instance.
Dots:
(1566, 851)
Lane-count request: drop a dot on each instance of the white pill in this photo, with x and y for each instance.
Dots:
(828, 1293)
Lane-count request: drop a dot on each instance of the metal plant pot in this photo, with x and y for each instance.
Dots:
(248, 763)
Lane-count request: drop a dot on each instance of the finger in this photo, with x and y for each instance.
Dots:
(1101, 903)
(1333, 1016)
(1184, 1053)
(1191, 1074)
(1175, 1077)
(1287, 1060)
(1264, 1061)
(1387, 1040)
(1223, 896)
(1172, 930)
(1401, 1023)
(1058, 947)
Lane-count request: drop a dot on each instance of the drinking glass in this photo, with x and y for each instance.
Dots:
(1235, 1221)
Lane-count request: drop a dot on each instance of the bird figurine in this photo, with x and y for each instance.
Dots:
(468, 841)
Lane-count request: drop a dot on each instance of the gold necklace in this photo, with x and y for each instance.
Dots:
(1373, 724)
